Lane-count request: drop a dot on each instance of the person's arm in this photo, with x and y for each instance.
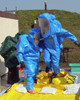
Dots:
(66, 34)
(20, 50)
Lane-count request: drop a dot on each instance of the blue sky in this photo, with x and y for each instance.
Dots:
(69, 5)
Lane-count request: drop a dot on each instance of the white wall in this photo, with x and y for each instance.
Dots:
(8, 27)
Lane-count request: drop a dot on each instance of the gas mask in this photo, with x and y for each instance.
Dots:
(44, 25)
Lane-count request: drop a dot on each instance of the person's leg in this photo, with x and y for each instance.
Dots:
(36, 72)
(30, 87)
(54, 69)
(13, 75)
(46, 59)
(55, 63)
(30, 72)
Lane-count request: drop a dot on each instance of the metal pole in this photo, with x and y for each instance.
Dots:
(15, 9)
(6, 9)
(45, 3)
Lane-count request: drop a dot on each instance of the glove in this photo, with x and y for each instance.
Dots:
(77, 43)
(22, 65)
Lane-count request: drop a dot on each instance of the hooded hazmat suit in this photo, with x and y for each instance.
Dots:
(53, 35)
(27, 52)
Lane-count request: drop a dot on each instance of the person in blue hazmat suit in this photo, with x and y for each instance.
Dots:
(28, 55)
(53, 35)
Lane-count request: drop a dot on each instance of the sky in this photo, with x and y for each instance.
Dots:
(68, 5)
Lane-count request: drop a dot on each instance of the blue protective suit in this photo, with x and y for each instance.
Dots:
(53, 39)
(28, 52)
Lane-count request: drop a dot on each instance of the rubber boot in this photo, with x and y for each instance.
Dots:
(10, 78)
(47, 69)
(53, 76)
(35, 81)
(31, 91)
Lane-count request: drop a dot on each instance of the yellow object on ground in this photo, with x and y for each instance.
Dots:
(62, 74)
(13, 94)
(60, 80)
(63, 78)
